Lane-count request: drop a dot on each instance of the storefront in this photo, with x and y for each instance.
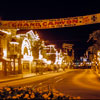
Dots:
(16, 52)
(27, 59)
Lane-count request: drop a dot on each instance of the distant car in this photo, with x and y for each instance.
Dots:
(82, 67)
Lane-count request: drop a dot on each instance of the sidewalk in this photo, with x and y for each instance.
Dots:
(22, 76)
(16, 77)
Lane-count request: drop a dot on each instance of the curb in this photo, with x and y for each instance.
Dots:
(4, 81)
(13, 79)
(16, 79)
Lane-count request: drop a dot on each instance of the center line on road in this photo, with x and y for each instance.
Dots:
(40, 83)
(57, 77)
(59, 80)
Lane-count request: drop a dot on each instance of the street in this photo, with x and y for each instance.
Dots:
(83, 83)
(76, 82)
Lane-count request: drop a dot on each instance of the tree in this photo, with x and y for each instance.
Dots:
(95, 36)
(94, 48)
(35, 49)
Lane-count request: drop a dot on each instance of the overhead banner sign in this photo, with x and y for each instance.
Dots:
(66, 45)
(51, 23)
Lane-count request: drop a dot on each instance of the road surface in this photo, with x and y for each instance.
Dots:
(77, 82)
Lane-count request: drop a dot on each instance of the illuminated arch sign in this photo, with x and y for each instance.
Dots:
(26, 45)
(51, 23)
(33, 36)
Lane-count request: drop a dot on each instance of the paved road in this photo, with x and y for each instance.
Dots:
(78, 82)
(83, 83)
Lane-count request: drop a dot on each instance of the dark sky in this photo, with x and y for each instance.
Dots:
(47, 10)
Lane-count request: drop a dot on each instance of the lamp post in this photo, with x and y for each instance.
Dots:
(14, 43)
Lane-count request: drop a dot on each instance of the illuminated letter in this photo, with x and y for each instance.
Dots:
(74, 21)
(68, 21)
(13, 24)
(57, 23)
(85, 19)
(44, 23)
(62, 22)
(38, 24)
(50, 23)
(20, 24)
(31, 24)
(26, 24)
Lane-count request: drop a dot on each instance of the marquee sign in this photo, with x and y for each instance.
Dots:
(51, 23)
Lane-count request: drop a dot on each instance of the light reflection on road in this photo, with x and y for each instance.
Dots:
(87, 79)
(76, 82)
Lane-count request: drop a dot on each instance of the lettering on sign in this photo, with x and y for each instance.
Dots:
(51, 23)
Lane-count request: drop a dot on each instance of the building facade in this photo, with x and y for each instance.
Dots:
(16, 51)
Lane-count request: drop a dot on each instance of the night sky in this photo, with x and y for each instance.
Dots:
(48, 10)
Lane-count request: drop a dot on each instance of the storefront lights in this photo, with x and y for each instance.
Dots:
(34, 36)
(4, 53)
(98, 53)
(13, 41)
(27, 57)
(9, 33)
(26, 43)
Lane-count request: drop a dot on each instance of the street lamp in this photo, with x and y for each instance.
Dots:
(13, 42)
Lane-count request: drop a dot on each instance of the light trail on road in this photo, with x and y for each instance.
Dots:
(76, 82)
(59, 80)
(87, 79)
(32, 80)
(80, 82)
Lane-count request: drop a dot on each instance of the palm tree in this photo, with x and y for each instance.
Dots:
(96, 46)
(95, 36)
